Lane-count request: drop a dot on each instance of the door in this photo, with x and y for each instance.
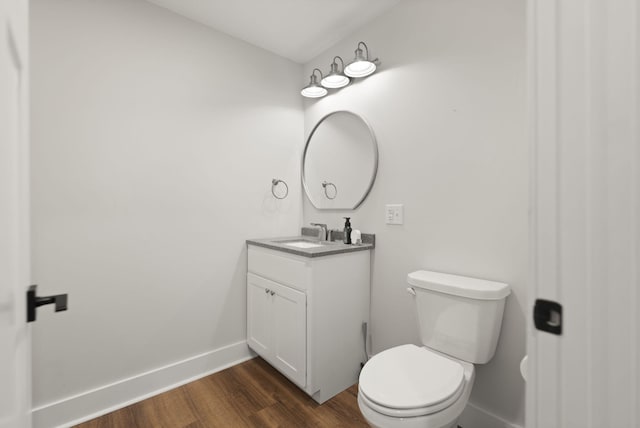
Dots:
(585, 123)
(290, 332)
(259, 315)
(15, 361)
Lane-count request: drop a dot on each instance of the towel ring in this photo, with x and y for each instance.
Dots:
(274, 183)
(325, 184)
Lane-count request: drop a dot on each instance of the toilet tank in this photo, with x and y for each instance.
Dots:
(458, 315)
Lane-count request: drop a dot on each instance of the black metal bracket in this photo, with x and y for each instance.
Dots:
(33, 301)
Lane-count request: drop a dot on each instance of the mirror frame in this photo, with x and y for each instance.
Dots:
(374, 173)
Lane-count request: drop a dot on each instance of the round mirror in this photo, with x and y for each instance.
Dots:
(340, 162)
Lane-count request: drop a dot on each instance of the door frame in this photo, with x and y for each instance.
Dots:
(16, 220)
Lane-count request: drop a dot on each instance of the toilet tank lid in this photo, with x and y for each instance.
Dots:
(456, 285)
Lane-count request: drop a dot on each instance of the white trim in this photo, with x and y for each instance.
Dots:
(107, 398)
(475, 417)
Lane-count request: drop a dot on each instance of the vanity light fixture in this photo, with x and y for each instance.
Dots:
(335, 79)
(313, 90)
(361, 66)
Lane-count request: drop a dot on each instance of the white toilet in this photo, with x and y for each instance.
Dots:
(428, 387)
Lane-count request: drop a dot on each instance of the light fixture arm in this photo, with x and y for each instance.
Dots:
(366, 48)
(334, 62)
(313, 73)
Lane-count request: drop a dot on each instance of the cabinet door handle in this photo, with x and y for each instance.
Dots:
(266, 290)
(272, 292)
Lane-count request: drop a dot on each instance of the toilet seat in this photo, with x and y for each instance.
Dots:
(410, 381)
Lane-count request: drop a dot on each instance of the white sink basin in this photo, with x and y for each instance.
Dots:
(303, 244)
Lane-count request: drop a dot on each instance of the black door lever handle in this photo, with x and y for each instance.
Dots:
(33, 301)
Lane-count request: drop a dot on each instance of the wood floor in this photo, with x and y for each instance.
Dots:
(251, 394)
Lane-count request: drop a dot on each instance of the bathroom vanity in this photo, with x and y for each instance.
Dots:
(307, 305)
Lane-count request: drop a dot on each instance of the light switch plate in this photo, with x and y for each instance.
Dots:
(394, 213)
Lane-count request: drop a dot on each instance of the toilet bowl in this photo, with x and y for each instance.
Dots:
(409, 386)
(414, 387)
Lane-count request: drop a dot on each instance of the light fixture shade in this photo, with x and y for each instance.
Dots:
(361, 66)
(313, 90)
(335, 79)
(360, 69)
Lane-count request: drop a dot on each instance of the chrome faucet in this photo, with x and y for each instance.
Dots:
(322, 232)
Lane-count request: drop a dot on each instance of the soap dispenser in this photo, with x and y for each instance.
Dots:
(347, 230)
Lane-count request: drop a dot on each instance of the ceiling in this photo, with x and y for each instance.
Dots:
(295, 29)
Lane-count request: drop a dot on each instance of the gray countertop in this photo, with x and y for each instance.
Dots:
(327, 248)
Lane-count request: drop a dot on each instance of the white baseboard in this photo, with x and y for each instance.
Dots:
(475, 417)
(107, 398)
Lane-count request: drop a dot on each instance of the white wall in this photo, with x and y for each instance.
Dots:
(155, 140)
(448, 109)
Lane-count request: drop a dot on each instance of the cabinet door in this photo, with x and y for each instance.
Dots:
(259, 316)
(290, 333)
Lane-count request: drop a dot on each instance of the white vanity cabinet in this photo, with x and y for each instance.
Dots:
(276, 326)
(305, 316)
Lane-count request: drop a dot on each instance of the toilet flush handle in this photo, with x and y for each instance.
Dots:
(411, 291)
